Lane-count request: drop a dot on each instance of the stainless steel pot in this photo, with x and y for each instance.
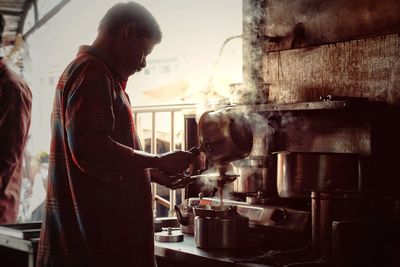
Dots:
(220, 229)
(252, 176)
(225, 135)
(256, 174)
(300, 172)
(185, 219)
(185, 215)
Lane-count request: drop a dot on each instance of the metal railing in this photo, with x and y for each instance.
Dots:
(172, 110)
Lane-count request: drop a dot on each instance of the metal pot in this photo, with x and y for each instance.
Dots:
(225, 135)
(185, 215)
(300, 172)
(220, 228)
(185, 219)
(256, 174)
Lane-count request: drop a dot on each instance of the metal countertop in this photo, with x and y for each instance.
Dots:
(186, 251)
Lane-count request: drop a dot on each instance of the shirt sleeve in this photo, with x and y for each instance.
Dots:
(15, 108)
(89, 122)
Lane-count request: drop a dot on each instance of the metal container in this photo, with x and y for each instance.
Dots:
(168, 236)
(185, 219)
(220, 229)
(185, 215)
(256, 174)
(225, 135)
(298, 173)
(252, 176)
(327, 207)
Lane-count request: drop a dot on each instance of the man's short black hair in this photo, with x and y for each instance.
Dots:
(131, 12)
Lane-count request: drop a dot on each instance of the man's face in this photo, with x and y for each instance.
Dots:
(135, 51)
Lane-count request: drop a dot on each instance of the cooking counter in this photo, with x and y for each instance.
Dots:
(183, 253)
(187, 253)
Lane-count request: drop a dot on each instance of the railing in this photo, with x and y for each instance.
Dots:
(172, 110)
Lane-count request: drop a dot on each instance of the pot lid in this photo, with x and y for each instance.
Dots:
(169, 236)
(215, 211)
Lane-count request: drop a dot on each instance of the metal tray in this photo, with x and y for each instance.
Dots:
(21, 230)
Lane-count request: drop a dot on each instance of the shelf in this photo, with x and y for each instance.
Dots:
(21, 230)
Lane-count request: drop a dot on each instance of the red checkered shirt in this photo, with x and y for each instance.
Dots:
(15, 113)
(98, 207)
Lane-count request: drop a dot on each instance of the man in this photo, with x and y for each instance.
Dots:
(15, 113)
(98, 206)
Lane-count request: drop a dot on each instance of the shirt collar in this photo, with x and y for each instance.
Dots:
(87, 49)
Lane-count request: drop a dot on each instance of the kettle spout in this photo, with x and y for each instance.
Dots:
(181, 219)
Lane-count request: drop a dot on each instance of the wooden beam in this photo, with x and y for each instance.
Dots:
(27, 7)
(36, 11)
(46, 18)
(11, 13)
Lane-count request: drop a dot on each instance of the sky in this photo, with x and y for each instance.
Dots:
(188, 26)
(193, 32)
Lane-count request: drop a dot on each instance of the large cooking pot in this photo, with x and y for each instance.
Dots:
(225, 135)
(300, 172)
(220, 228)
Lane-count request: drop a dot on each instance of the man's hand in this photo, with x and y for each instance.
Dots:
(171, 181)
(175, 161)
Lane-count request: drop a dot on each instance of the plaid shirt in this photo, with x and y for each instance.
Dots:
(15, 111)
(98, 207)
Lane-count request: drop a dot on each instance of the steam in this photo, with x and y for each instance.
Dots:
(208, 183)
(206, 180)
(263, 131)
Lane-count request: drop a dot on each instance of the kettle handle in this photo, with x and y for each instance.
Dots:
(195, 151)
(181, 219)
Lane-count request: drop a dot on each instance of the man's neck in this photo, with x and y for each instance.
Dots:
(106, 47)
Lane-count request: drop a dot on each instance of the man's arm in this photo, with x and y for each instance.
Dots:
(15, 108)
(89, 124)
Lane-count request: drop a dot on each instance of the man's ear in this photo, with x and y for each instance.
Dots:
(129, 30)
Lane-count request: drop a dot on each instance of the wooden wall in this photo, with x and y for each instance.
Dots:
(329, 21)
(305, 49)
(367, 67)
(345, 48)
